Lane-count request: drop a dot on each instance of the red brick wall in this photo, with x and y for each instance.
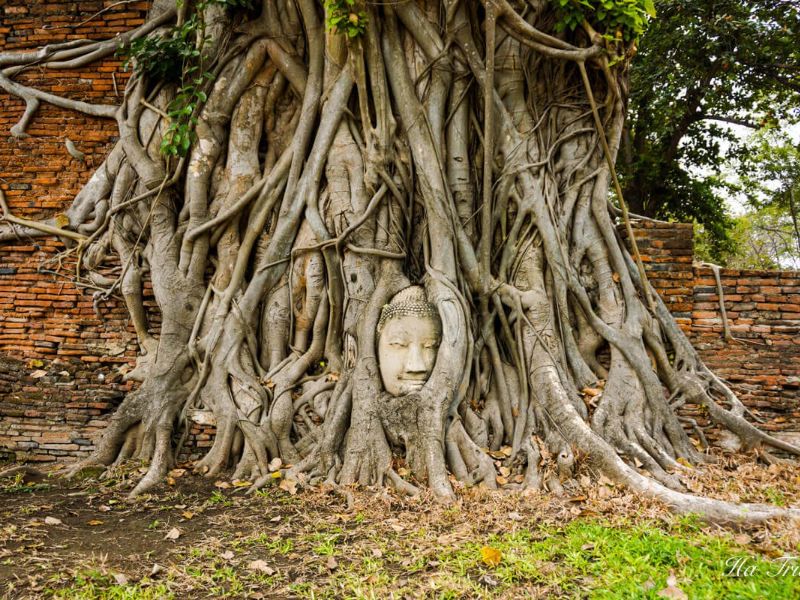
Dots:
(667, 251)
(60, 355)
(58, 352)
(762, 363)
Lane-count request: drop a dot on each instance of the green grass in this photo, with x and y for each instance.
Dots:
(218, 498)
(92, 584)
(269, 542)
(585, 558)
(17, 485)
(594, 559)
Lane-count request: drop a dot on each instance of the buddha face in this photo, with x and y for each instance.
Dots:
(407, 349)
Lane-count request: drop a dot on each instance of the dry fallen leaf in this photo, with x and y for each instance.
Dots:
(120, 579)
(39, 373)
(395, 525)
(52, 521)
(331, 563)
(289, 485)
(274, 464)
(187, 515)
(672, 590)
(173, 534)
(157, 568)
(95, 522)
(260, 565)
(177, 473)
(227, 555)
(223, 485)
(491, 556)
(603, 480)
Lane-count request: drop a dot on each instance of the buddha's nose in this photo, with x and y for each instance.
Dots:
(415, 362)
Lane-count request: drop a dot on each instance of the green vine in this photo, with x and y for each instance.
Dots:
(163, 57)
(177, 57)
(615, 19)
(344, 17)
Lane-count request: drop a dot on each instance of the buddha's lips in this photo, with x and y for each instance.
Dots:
(413, 383)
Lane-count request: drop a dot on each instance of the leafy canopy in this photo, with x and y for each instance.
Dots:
(625, 19)
(701, 67)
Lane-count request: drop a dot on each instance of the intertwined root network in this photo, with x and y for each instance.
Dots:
(463, 146)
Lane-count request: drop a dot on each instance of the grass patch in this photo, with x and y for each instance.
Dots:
(93, 584)
(583, 559)
(18, 485)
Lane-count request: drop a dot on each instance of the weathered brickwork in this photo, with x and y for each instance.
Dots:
(59, 351)
(62, 354)
(667, 251)
(762, 361)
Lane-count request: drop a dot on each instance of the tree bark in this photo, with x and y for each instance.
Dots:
(440, 143)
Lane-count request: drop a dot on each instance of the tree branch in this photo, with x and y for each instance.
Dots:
(32, 96)
(725, 119)
(44, 228)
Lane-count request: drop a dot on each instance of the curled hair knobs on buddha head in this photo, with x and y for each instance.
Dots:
(410, 301)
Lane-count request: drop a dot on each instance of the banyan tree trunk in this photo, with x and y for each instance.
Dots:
(335, 154)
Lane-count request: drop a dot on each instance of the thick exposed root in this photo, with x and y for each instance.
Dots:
(324, 174)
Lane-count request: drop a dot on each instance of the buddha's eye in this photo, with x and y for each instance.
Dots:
(398, 344)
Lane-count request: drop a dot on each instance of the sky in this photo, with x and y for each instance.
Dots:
(738, 203)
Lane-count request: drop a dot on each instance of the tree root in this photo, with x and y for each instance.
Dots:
(321, 178)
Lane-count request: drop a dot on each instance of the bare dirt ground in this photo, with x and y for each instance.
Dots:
(199, 538)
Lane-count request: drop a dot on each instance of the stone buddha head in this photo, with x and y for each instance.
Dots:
(409, 332)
